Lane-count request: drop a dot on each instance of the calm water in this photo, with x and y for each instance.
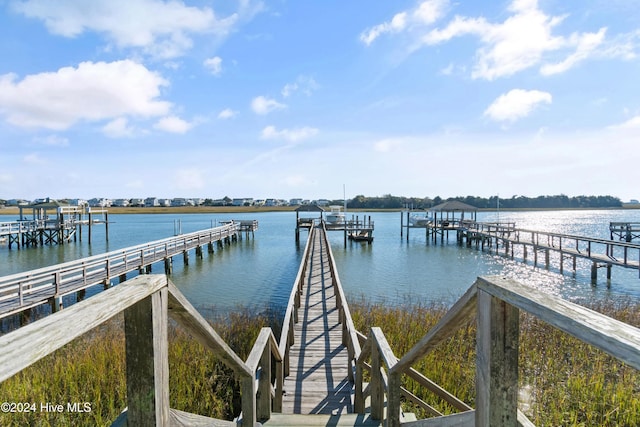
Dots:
(260, 271)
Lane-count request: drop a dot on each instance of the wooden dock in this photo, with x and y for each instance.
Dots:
(625, 231)
(600, 252)
(307, 378)
(318, 382)
(52, 224)
(21, 292)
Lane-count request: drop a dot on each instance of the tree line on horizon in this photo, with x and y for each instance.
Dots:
(389, 201)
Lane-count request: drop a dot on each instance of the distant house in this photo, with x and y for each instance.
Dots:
(120, 203)
(322, 202)
(634, 201)
(137, 202)
(151, 202)
(78, 202)
(295, 202)
(164, 202)
(246, 201)
(17, 202)
(99, 202)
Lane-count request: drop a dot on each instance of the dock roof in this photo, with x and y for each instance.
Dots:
(453, 206)
(309, 208)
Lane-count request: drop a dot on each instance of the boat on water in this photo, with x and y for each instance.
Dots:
(335, 215)
(419, 220)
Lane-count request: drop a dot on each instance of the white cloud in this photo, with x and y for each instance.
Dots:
(397, 24)
(518, 43)
(91, 92)
(227, 113)
(118, 128)
(632, 123)
(173, 124)
(160, 28)
(516, 104)
(303, 84)
(426, 13)
(214, 65)
(293, 135)
(586, 44)
(263, 105)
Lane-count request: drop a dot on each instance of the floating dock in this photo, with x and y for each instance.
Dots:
(354, 229)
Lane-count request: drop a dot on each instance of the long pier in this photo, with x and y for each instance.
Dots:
(319, 364)
(600, 252)
(315, 373)
(24, 291)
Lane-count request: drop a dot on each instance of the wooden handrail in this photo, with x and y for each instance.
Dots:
(290, 316)
(259, 362)
(496, 301)
(78, 274)
(349, 332)
(146, 301)
(27, 345)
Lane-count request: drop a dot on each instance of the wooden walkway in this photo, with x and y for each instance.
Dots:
(24, 291)
(319, 363)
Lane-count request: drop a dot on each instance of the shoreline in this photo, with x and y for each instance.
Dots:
(260, 209)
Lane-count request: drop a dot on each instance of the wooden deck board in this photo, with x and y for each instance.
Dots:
(318, 382)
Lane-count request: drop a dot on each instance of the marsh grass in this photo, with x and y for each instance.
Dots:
(563, 381)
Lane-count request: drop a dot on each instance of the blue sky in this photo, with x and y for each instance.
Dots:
(284, 99)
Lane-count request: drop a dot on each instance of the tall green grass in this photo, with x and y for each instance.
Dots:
(563, 381)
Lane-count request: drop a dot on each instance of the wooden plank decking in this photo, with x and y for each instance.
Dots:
(318, 382)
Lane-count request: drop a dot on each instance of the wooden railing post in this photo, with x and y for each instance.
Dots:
(497, 362)
(248, 391)
(358, 399)
(263, 402)
(377, 386)
(277, 401)
(147, 361)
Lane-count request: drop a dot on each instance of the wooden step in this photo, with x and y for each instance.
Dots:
(342, 420)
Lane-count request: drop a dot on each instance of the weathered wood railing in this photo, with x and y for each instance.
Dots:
(626, 231)
(28, 289)
(349, 333)
(147, 302)
(291, 313)
(495, 302)
(604, 251)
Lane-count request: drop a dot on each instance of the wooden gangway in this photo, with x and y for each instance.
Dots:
(23, 291)
(318, 380)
